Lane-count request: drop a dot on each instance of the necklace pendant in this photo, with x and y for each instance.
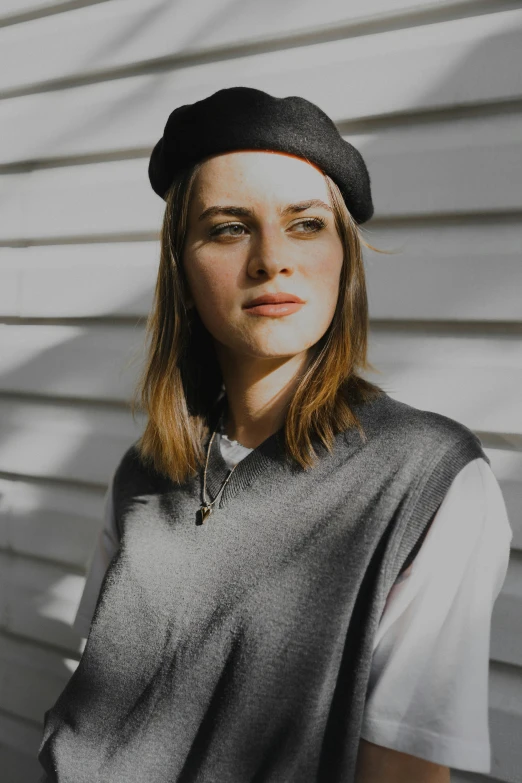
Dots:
(204, 513)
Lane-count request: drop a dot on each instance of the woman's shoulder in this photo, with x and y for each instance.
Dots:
(128, 468)
(388, 419)
(135, 475)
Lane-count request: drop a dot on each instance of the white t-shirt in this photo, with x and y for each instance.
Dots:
(428, 689)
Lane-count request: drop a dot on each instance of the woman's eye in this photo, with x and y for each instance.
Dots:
(228, 229)
(310, 225)
(306, 226)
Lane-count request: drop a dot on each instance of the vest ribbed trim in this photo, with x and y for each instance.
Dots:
(267, 455)
(426, 497)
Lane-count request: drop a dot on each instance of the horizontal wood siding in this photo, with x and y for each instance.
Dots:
(430, 92)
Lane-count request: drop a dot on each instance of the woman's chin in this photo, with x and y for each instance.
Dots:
(275, 349)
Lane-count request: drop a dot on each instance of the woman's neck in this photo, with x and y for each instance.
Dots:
(258, 394)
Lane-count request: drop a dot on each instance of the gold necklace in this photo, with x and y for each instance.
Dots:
(206, 508)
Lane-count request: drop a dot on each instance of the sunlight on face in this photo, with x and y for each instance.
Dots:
(264, 240)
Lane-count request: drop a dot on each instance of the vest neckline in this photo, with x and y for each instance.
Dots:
(268, 454)
(266, 458)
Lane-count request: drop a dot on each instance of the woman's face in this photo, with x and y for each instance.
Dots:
(261, 223)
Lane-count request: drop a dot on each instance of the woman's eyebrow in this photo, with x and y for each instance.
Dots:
(301, 206)
(234, 211)
(304, 205)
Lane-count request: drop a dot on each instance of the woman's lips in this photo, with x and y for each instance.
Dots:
(275, 309)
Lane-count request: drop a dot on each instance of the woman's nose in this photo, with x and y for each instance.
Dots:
(269, 256)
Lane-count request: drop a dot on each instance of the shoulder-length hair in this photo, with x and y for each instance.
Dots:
(181, 378)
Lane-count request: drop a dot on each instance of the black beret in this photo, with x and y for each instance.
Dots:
(242, 118)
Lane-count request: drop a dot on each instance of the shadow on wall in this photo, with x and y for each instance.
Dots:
(81, 439)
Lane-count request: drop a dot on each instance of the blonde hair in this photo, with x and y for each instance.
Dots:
(181, 378)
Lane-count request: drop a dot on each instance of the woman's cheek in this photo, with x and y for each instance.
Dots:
(210, 284)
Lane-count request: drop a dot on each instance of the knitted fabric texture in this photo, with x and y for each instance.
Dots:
(243, 118)
(240, 650)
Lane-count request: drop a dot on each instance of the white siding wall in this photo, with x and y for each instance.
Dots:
(430, 92)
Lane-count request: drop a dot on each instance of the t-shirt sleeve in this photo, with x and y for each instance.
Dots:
(107, 545)
(428, 689)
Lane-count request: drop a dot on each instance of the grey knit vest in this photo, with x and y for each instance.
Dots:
(239, 650)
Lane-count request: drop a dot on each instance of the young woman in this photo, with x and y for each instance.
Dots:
(296, 574)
